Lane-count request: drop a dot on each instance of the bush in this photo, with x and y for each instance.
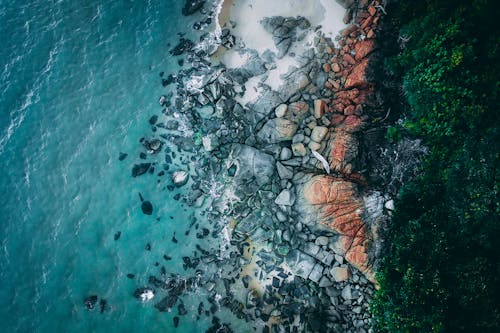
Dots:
(441, 269)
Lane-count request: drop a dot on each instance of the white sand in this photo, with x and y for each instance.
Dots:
(249, 13)
(249, 31)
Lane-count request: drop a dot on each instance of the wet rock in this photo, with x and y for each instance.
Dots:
(153, 119)
(180, 178)
(90, 302)
(122, 156)
(192, 6)
(181, 309)
(117, 235)
(167, 303)
(140, 169)
(144, 293)
(130, 276)
(183, 46)
(176, 321)
(210, 142)
(102, 305)
(147, 207)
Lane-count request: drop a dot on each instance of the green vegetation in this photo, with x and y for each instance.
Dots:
(441, 269)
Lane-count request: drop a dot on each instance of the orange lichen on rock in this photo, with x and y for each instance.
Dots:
(339, 208)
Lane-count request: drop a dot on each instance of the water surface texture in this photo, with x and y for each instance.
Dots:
(79, 80)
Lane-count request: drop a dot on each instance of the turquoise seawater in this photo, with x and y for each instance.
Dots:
(79, 81)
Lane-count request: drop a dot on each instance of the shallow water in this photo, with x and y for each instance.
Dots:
(78, 84)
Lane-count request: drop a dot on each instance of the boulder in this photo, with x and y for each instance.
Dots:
(319, 108)
(339, 274)
(334, 203)
(283, 171)
(254, 167)
(180, 178)
(140, 169)
(343, 151)
(363, 48)
(300, 264)
(316, 273)
(280, 111)
(276, 130)
(318, 133)
(285, 154)
(357, 77)
(299, 149)
(192, 6)
(285, 198)
(297, 111)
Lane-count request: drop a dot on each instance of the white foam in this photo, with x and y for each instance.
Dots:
(249, 13)
(249, 31)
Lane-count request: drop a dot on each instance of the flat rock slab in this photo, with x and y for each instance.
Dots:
(300, 263)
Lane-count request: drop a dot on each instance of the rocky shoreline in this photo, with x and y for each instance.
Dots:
(286, 180)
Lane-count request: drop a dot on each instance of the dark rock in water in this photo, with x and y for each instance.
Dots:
(181, 309)
(130, 276)
(177, 197)
(117, 235)
(232, 170)
(90, 302)
(174, 239)
(122, 156)
(153, 119)
(181, 62)
(148, 247)
(169, 80)
(276, 282)
(166, 303)
(183, 46)
(161, 74)
(147, 208)
(200, 308)
(192, 6)
(176, 321)
(102, 305)
(167, 257)
(140, 169)
(143, 156)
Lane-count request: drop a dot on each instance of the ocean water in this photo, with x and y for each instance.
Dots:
(79, 81)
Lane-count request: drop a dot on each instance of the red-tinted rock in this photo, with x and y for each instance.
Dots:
(357, 78)
(363, 48)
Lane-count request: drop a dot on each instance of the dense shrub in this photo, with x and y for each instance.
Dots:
(441, 269)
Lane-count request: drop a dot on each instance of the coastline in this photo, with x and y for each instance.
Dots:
(278, 115)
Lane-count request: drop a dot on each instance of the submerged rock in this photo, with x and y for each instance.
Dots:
(192, 6)
(90, 302)
(147, 207)
(140, 169)
(122, 156)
